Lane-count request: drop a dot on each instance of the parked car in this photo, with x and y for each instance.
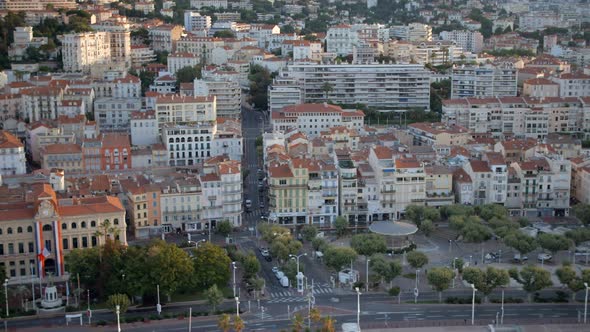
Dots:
(268, 258)
(275, 269)
(248, 203)
(544, 257)
(265, 252)
(518, 258)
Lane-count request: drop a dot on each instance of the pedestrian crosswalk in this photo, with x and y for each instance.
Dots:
(292, 297)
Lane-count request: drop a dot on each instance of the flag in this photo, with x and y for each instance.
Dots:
(43, 254)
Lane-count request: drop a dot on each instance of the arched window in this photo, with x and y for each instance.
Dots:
(9, 231)
(30, 229)
(116, 221)
(171, 140)
(83, 224)
(47, 228)
(93, 223)
(19, 230)
(0, 231)
(74, 225)
(64, 226)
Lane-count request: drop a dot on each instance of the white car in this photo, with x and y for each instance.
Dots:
(275, 269)
(265, 252)
(544, 257)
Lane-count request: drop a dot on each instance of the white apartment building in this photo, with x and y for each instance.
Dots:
(412, 32)
(120, 38)
(188, 144)
(177, 109)
(193, 21)
(198, 4)
(228, 139)
(180, 204)
(518, 117)
(124, 87)
(40, 103)
(80, 51)
(303, 49)
(222, 192)
(542, 186)
(228, 94)
(374, 85)
(573, 84)
(471, 41)
(484, 81)
(113, 114)
(144, 128)
(200, 47)
(164, 36)
(283, 92)
(177, 61)
(12, 155)
(312, 119)
(538, 20)
(341, 39)
(141, 54)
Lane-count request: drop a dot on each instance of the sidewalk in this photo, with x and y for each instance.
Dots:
(521, 328)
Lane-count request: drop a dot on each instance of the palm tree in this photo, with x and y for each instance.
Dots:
(298, 323)
(238, 323)
(315, 315)
(224, 323)
(106, 230)
(327, 87)
(328, 325)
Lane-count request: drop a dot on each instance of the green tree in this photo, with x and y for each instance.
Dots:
(224, 34)
(224, 322)
(188, 74)
(327, 87)
(440, 279)
(427, 227)
(168, 266)
(578, 235)
(121, 300)
(238, 323)
(279, 250)
(388, 270)
(341, 225)
(455, 210)
(553, 242)
(319, 244)
(417, 259)
(532, 278)
(224, 228)
(251, 265)
(368, 244)
(309, 232)
(567, 276)
(214, 296)
(520, 242)
(486, 280)
(298, 323)
(260, 79)
(476, 233)
(582, 212)
(338, 257)
(212, 266)
(489, 211)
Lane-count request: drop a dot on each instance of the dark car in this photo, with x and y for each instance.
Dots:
(268, 258)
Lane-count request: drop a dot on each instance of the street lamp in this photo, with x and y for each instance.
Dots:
(158, 306)
(367, 286)
(502, 308)
(197, 242)
(585, 302)
(454, 271)
(233, 264)
(358, 308)
(6, 295)
(118, 321)
(297, 258)
(473, 305)
(237, 306)
(416, 287)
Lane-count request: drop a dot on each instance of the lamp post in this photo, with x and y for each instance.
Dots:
(297, 258)
(6, 295)
(367, 286)
(502, 308)
(473, 305)
(416, 287)
(89, 312)
(454, 271)
(237, 306)
(585, 303)
(118, 321)
(233, 264)
(358, 308)
(158, 306)
(197, 242)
